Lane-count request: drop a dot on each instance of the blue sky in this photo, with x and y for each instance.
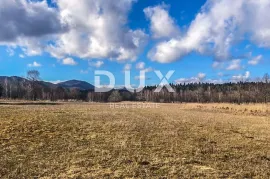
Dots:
(203, 41)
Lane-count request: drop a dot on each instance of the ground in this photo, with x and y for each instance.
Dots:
(82, 140)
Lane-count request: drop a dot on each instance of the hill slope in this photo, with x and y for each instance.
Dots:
(15, 80)
(82, 85)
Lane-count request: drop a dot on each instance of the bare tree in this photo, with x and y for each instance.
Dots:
(266, 78)
(1, 90)
(266, 91)
(90, 96)
(6, 87)
(33, 76)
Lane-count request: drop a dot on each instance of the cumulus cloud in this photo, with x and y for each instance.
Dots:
(34, 64)
(161, 24)
(235, 65)
(214, 81)
(187, 80)
(241, 77)
(89, 29)
(22, 18)
(195, 80)
(96, 64)
(98, 29)
(69, 61)
(218, 26)
(199, 78)
(255, 60)
(10, 51)
(30, 25)
(141, 66)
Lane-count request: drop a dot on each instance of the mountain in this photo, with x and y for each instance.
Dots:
(48, 84)
(12, 78)
(82, 85)
(15, 80)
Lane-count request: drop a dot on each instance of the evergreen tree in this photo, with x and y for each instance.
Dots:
(115, 97)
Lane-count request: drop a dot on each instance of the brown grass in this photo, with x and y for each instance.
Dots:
(173, 141)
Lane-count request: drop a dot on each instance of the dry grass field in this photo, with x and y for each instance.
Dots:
(172, 141)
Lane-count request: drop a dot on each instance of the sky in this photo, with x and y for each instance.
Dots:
(213, 41)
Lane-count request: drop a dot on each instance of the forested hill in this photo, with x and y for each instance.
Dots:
(15, 80)
(241, 92)
(15, 87)
(82, 85)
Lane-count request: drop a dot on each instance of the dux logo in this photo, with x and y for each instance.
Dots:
(164, 81)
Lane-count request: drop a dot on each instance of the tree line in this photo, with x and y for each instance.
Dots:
(242, 92)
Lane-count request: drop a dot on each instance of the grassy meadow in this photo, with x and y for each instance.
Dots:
(82, 140)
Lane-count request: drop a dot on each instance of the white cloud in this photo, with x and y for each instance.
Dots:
(34, 64)
(255, 60)
(214, 81)
(235, 65)
(98, 29)
(162, 25)
(199, 78)
(97, 64)
(29, 25)
(69, 61)
(140, 65)
(10, 51)
(89, 29)
(196, 80)
(27, 19)
(127, 67)
(238, 78)
(187, 80)
(55, 82)
(219, 26)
